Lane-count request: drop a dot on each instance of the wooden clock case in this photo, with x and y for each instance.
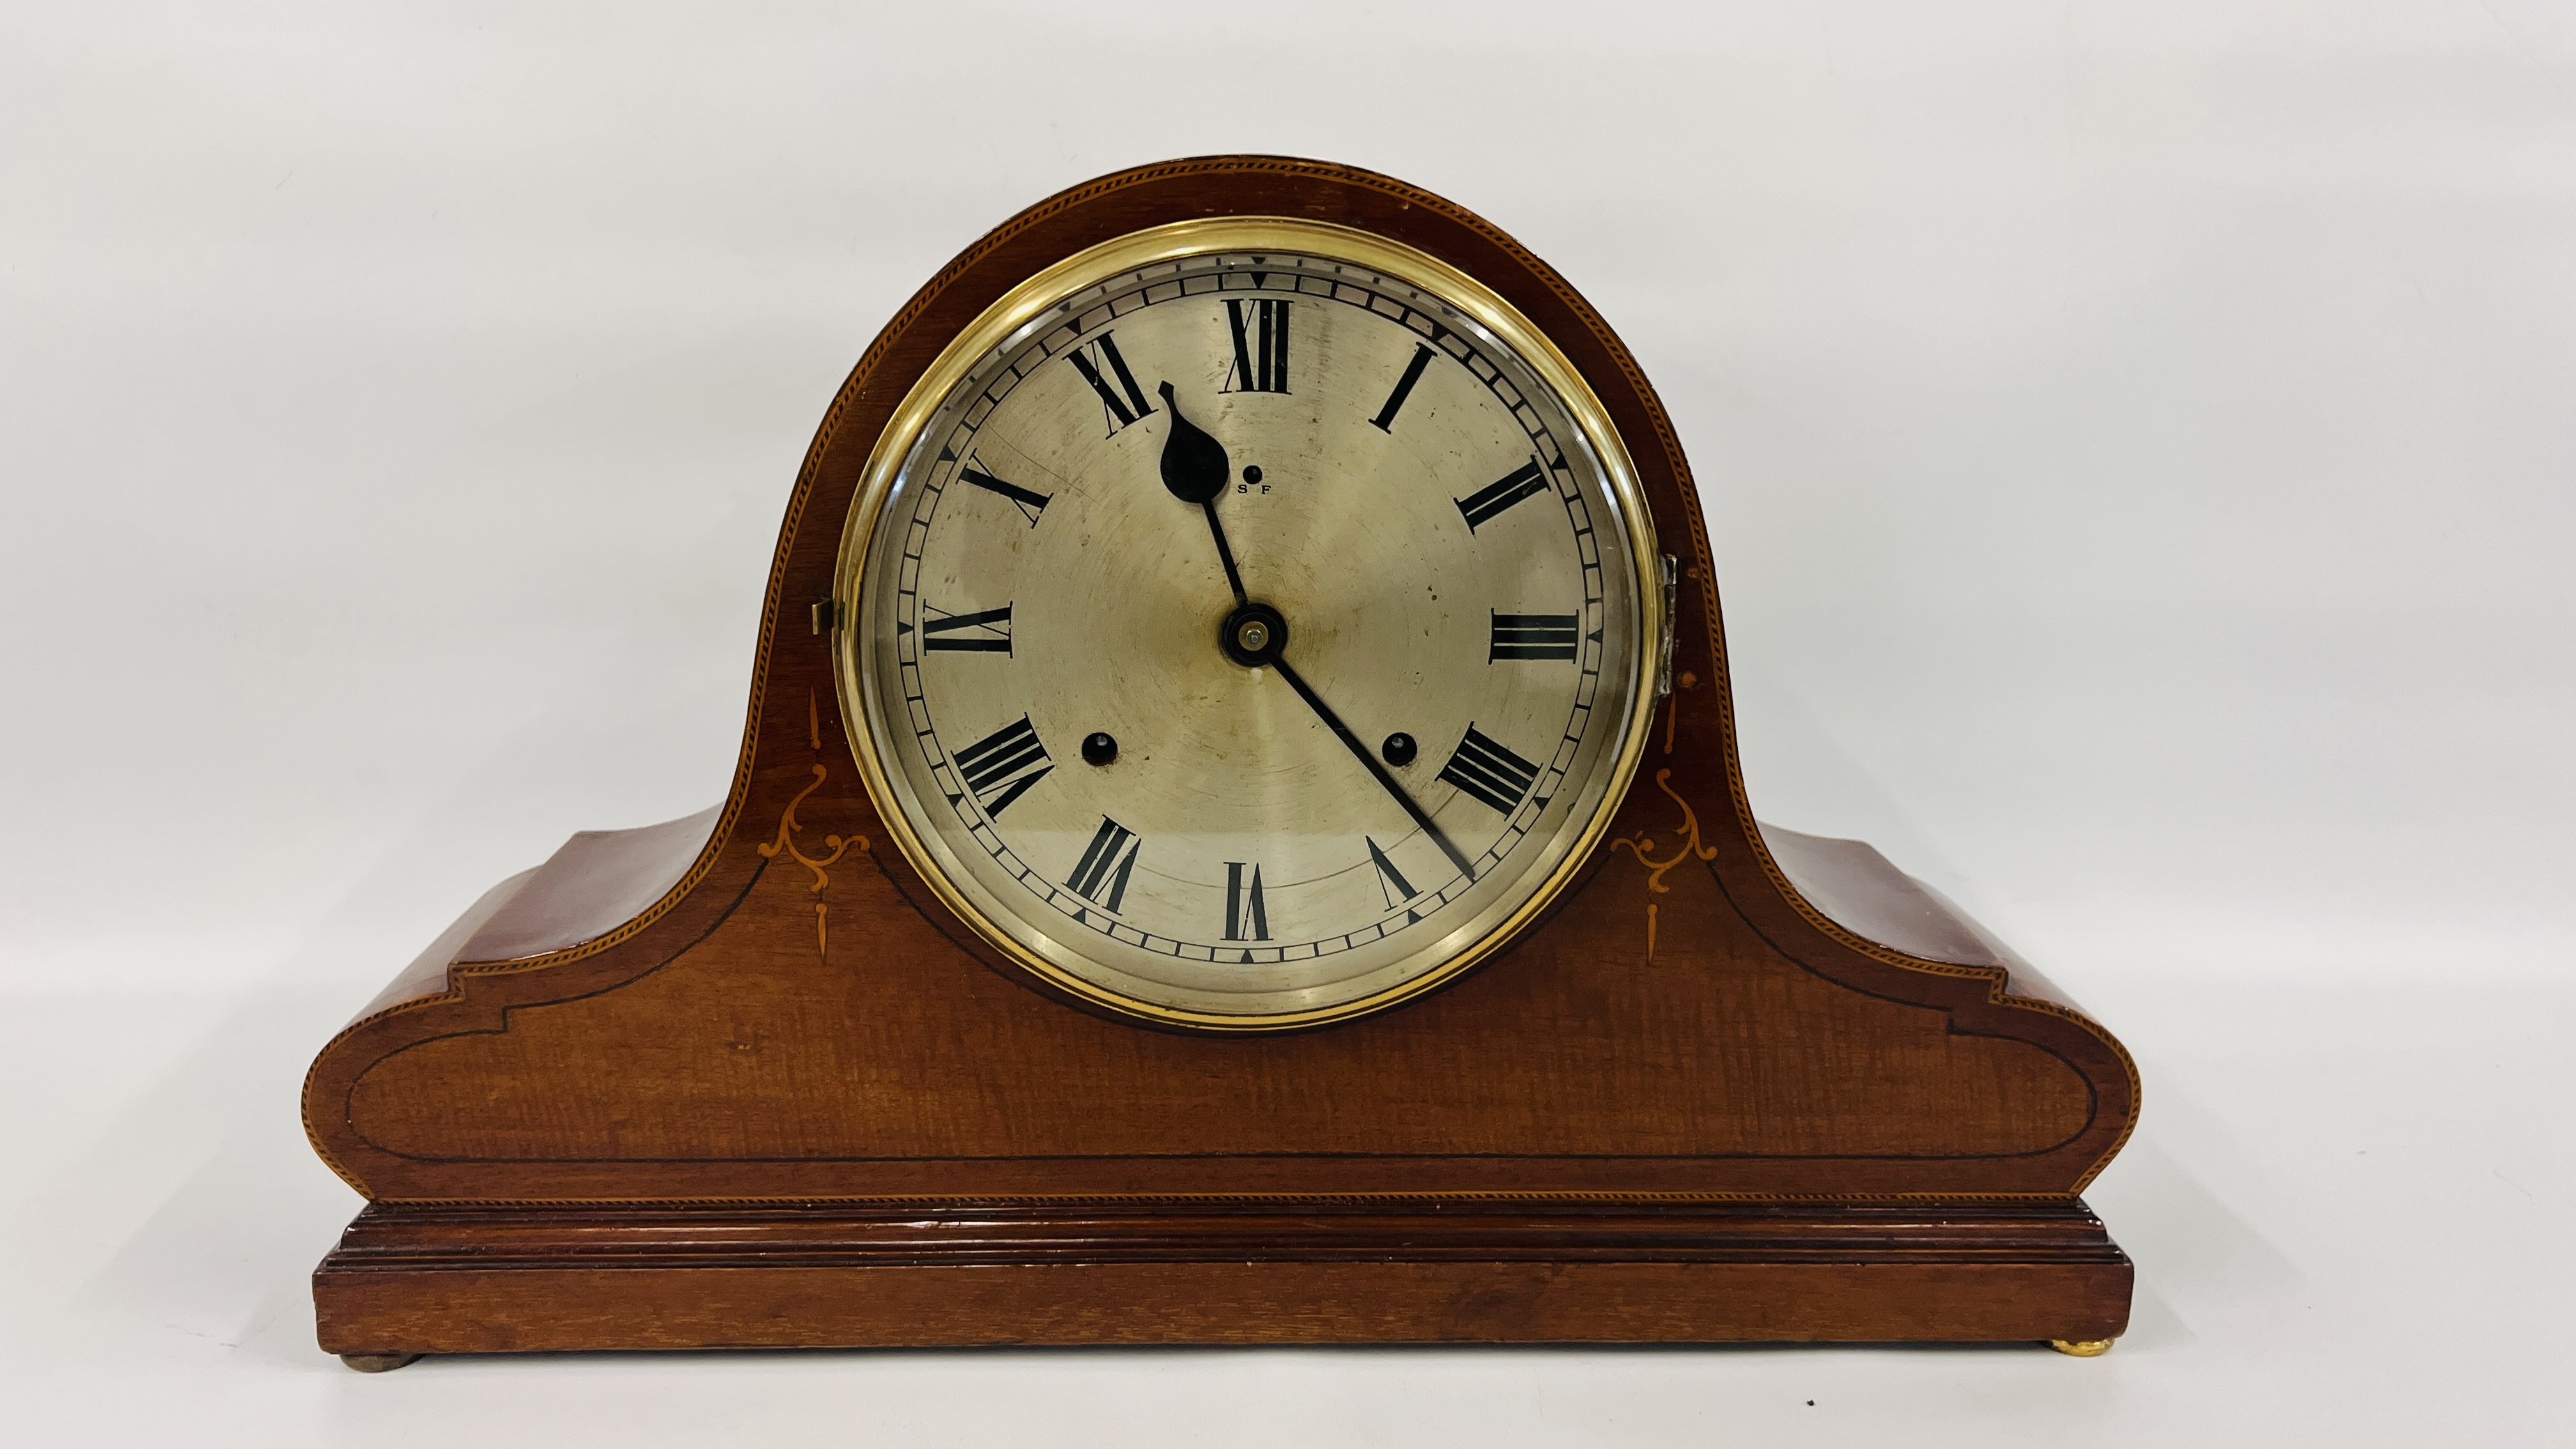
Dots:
(740, 1080)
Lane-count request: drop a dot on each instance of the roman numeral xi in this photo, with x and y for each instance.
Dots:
(1101, 366)
(1485, 768)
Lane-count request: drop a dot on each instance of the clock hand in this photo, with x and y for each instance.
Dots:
(1342, 731)
(1194, 470)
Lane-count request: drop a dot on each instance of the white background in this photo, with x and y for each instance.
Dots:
(2138, 443)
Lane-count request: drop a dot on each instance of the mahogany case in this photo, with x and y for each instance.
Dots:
(741, 1080)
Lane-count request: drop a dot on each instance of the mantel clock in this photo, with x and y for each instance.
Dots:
(1237, 840)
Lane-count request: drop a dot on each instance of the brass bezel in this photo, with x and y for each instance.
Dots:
(1041, 292)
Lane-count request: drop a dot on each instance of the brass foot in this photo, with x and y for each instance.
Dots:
(2082, 1348)
(377, 1363)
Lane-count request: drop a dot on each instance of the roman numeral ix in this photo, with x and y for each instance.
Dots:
(985, 632)
(1531, 636)
(1094, 871)
(1260, 346)
(1484, 768)
(987, 767)
(1245, 917)
(1522, 482)
(1101, 366)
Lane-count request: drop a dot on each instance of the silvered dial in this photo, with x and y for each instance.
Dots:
(1250, 636)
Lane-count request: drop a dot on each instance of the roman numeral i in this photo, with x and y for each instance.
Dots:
(1100, 365)
(1260, 345)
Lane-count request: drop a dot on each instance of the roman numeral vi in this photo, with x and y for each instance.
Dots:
(1245, 917)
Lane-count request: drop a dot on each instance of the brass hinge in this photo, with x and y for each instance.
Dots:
(1664, 648)
(827, 616)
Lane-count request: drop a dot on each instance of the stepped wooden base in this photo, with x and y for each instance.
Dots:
(420, 1279)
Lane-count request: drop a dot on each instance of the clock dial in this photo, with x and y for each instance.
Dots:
(1249, 634)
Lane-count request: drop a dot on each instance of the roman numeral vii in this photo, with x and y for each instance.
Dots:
(1098, 861)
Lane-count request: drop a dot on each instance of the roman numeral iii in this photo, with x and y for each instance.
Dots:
(990, 768)
(1532, 636)
(1101, 366)
(1260, 331)
(1097, 862)
(1485, 768)
(1246, 919)
(985, 632)
(1525, 481)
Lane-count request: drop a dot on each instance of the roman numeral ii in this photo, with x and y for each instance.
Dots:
(1481, 506)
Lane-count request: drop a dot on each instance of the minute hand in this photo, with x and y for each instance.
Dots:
(1342, 731)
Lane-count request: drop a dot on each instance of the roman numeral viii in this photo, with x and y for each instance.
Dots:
(985, 632)
(1532, 636)
(1260, 346)
(1097, 862)
(1485, 768)
(1481, 506)
(1101, 366)
(990, 768)
(1246, 919)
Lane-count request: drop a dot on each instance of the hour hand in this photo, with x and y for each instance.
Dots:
(1195, 470)
(1194, 464)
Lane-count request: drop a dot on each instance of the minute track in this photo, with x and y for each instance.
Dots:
(963, 560)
